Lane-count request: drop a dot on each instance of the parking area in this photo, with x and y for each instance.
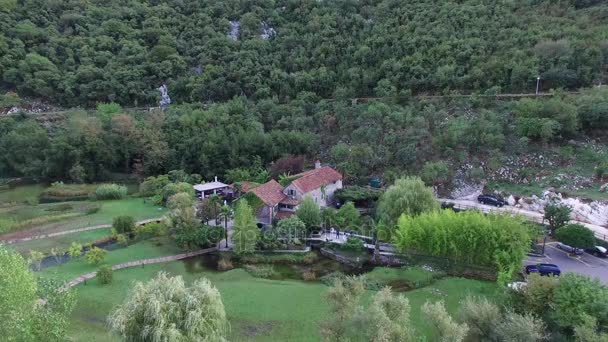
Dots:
(586, 264)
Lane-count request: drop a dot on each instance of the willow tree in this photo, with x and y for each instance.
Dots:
(409, 196)
(164, 309)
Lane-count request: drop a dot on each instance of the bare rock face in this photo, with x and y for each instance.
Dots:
(467, 191)
(594, 212)
(511, 200)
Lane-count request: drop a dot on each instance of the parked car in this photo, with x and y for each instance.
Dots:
(569, 249)
(598, 251)
(543, 269)
(491, 200)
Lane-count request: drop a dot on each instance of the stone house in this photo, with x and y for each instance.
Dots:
(319, 183)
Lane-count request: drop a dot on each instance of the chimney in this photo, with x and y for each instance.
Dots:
(318, 164)
(216, 178)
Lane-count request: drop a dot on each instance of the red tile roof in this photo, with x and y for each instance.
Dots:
(316, 178)
(290, 201)
(271, 193)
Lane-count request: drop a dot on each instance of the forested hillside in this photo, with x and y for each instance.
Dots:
(79, 53)
(515, 141)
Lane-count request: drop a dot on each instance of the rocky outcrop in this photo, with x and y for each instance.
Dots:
(594, 212)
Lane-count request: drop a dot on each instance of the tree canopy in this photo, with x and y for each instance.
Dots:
(408, 196)
(71, 54)
(164, 309)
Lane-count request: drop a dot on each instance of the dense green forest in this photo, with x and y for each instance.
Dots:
(255, 81)
(79, 53)
(241, 136)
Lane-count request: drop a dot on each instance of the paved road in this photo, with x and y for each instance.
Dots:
(585, 264)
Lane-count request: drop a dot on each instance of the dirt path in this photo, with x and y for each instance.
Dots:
(83, 278)
(9, 238)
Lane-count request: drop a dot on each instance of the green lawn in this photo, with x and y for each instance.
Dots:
(258, 309)
(21, 194)
(152, 248)
(61, 243)
(135, 207)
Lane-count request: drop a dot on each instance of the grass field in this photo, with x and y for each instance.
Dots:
(22, 194)
(258, 309)
(135, 207)
(151, 248)
(61, 243)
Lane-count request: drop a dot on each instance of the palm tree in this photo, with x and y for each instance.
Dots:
(225, 214)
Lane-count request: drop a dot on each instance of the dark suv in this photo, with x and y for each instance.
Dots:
(491, 200)
(544, 269)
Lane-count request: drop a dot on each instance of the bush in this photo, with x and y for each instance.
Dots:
(309, 275)
(225, 264)
(110, 192)
(353, 244)
(105, 274)
(95, 255)
(60, 192)
(123, 224)
(201, 237)
(121, 239)
(7, 225)
(151, 229)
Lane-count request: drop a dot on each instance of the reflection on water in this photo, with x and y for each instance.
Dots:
(283, 271)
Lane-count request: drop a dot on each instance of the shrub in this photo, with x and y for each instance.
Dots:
(151, 229)
(75, 250)
(7, 224)
(95, 255)
(60, 192)
(353, 244)
(105, 274)
(123, 224)
(110, 192)
(225, 264)
(310, 258)
(309, 275)
(121, 239)
(200, 237)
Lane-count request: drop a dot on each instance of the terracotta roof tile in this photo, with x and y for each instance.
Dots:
(271, 193)
(316, 178)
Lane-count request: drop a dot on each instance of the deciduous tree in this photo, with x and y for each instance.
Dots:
(164, 309)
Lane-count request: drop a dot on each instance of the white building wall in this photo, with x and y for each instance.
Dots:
(322, 198)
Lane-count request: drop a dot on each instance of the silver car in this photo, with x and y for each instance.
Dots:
(571, 250)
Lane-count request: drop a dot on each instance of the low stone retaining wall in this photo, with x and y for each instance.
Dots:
(142, 262)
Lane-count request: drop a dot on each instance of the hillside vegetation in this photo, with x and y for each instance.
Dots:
(255, 81)
(78, 53)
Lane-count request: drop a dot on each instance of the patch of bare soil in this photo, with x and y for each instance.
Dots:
(254, 329)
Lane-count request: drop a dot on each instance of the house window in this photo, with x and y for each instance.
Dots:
(291, 192)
